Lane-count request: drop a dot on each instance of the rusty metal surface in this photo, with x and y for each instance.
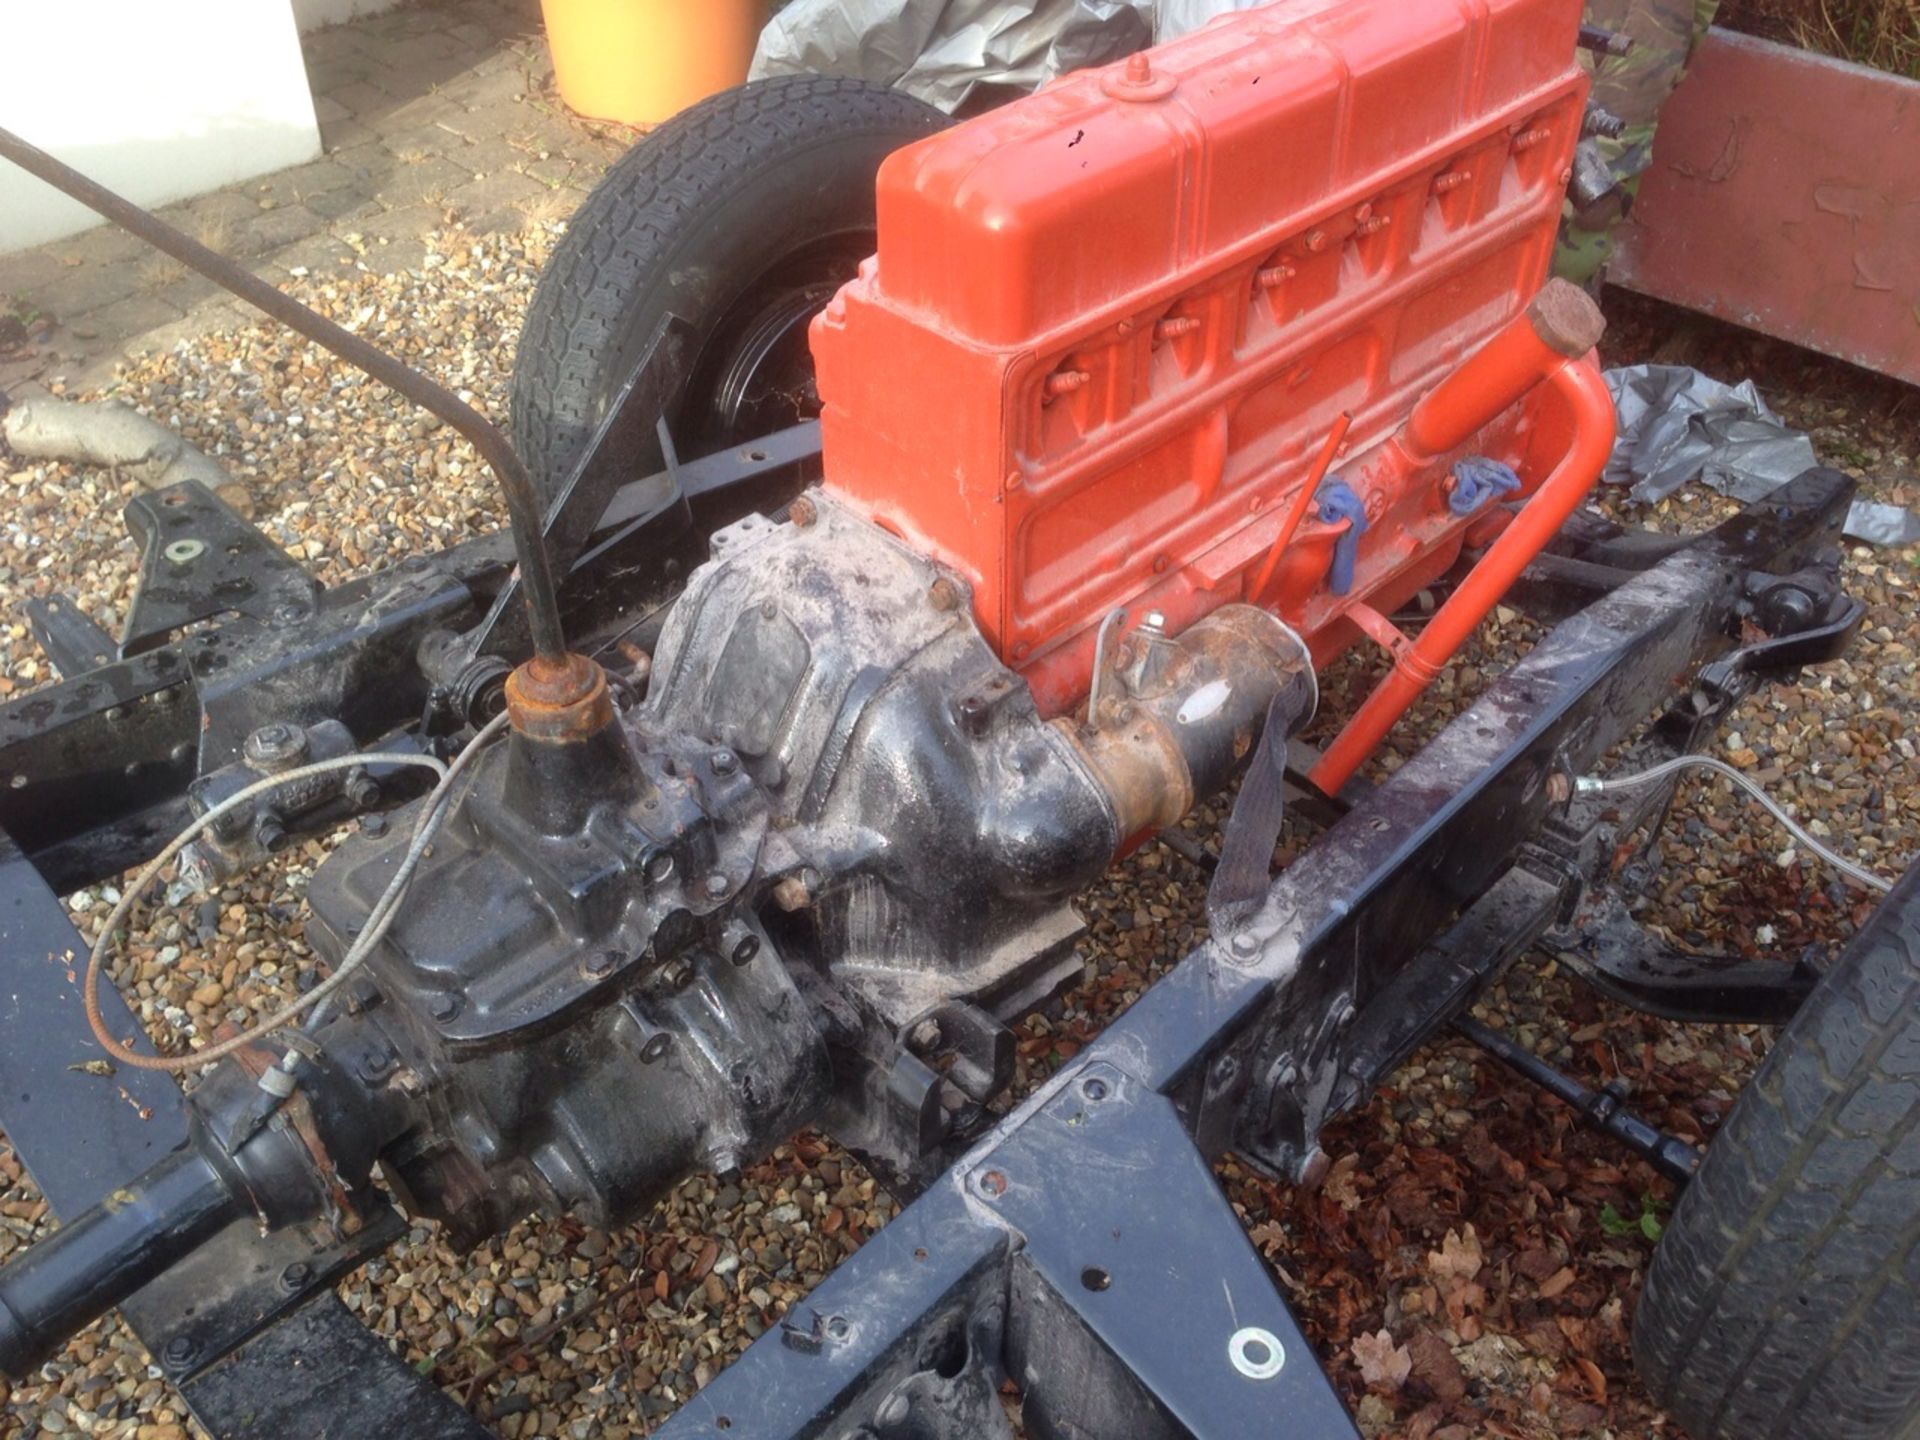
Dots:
(1784, 195)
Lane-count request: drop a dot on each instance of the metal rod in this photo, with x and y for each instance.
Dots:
(516, 486)
(1602, 1109)
(1301, 500)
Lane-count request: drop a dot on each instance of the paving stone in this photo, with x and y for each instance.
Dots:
(82, 289)
(210, 218)
(337, 205)
(29, 270)
(133, 316)
(361, 98)
(340, 136)
(490, 155)
(326, 109)
(428, 182)
(271, 229)
(416, 141)
(396, 256)
(316, 254)
(407, 222)
(100, 245)
(425, 52)
(491, 193)
(503, 87)
(187, 291)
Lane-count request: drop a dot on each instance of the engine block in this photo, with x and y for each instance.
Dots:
(1109, 326)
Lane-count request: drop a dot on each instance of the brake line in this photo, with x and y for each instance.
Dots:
(1596, 785)
(378, 919)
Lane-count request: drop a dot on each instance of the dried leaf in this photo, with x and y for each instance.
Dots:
(1458, 1258)
(1339, 1186)
(1434, 1365)
(1382, 1363)
(1596, 1382)
(1556, 1282)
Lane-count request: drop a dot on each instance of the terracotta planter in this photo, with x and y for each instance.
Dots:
(642, 61)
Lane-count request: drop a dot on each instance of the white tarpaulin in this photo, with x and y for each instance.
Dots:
(940, 50)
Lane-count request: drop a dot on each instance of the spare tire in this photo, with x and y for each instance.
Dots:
(740, 217)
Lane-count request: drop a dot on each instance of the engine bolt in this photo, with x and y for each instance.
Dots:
(296, 1276)
(363, 791)
(803, 512)
(748, 947)
(443, 1007)
(718, 885)
(1559, 787)
(656, 1047)
(943, 594)
(993, 1183)
(1065, 382)
(603, 962)
(678, 974)
(275, 747)
(924, 1036)
(791, 894)
(179, 1352)
(1245, 945)
(725, 762)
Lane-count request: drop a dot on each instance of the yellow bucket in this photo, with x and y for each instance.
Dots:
(643, 61)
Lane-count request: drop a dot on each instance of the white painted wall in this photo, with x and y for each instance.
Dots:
(158, 99)
(312, 14)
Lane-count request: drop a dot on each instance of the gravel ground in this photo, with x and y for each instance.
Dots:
(1470, 1264)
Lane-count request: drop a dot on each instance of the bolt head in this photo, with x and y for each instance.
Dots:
(443, 1007)
(1245, 946)
(725, 762)
(748, 947)
(718, 884)
(179, 1350)
(602, 962)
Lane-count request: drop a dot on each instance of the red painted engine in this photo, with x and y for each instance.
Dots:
(1196, 329)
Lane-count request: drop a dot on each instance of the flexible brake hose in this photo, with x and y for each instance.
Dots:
(375, 928)
(1595, 785)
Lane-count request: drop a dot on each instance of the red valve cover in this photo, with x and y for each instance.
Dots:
(1109, 326)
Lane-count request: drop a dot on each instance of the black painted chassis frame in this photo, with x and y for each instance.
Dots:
(1083, 1248)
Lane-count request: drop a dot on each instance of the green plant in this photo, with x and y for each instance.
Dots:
(1646, 1223)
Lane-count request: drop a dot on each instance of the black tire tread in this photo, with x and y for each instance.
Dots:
(628, 229)
(1784, 1300)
